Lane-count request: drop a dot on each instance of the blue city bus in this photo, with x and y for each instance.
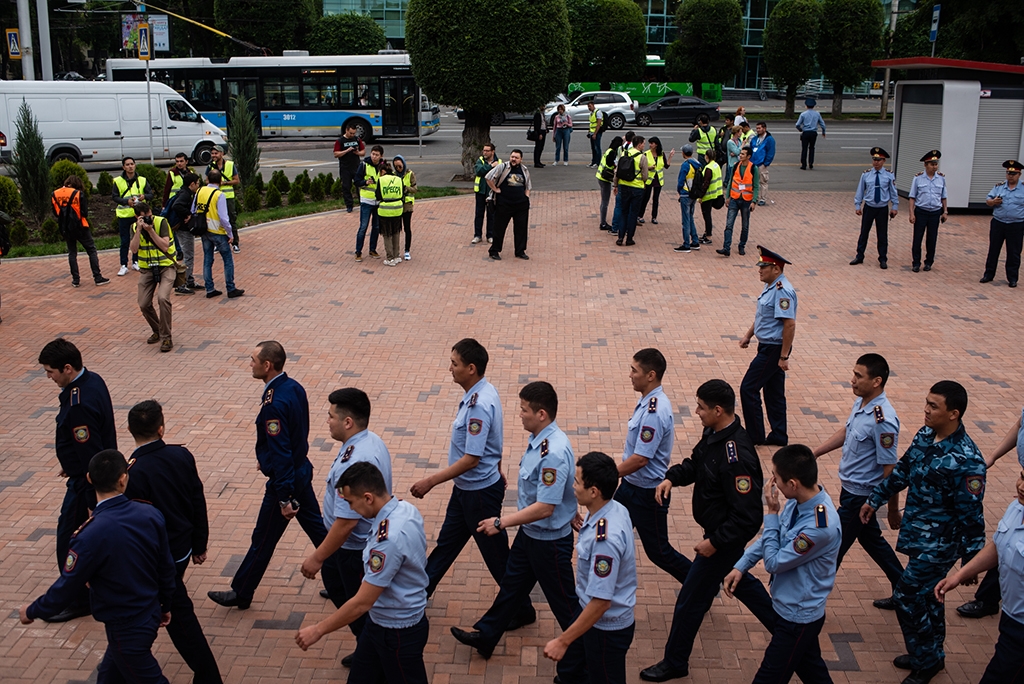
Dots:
(298, 95)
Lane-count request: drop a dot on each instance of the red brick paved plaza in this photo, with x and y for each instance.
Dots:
(573, 315)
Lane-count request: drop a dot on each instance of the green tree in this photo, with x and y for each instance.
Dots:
(488, 56)
(709, 48)
(276, 25)
(243, 142)
(28, 164)
(790, 41)
(989, 31)
(346, 34)
(848, 39)
(608, 42)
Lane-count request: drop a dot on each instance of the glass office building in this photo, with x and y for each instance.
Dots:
(390, 14)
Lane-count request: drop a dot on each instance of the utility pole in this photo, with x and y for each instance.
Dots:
(28, 70)
(888, 53)
(45, 54)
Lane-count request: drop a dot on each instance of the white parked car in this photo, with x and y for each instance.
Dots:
(618, 107)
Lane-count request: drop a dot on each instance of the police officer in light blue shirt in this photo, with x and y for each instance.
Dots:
(775, 328)
(542, 551)
(799, 547)
(394, 587)
(1004, 552)
(474, 456)
(645, 460)
(605, 575)
(870, 440)
(927, 209)
(1007, 200)
(876, 189)
(340, 555)
(808, 123)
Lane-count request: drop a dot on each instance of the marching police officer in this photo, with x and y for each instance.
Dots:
(645, 459)
(775, 327)
(166, 476)
(1007, 200)
(121, 553)
(542, 551)
(726, 476)
(944, 474)
(85, 426)
(340, 555)
(877, 188)
(986, 599)
(605, 575)
(394, 588)
(927, 209)
(799, 546)
(282, 445)
(474, 457)
(1007, 664)
(870, 440)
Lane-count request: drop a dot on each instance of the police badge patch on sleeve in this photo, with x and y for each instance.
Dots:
(646, 434)
(273, 428)
(81, 434)
(887, 439)
(71, 561)
(377, 559)
(802, 544)
(548, 476)
(603, 566)
(976, 484)
(475, 426)
(784, 304)
(743, 484)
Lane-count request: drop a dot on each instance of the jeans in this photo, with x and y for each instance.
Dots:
(595, 148)
(617, 216)
(219, 243)
(85, 237)
(689, 229)
(124, 227)
(562, 136)
(742, 207)
(367, 217)
(606, 195)
(630, 210)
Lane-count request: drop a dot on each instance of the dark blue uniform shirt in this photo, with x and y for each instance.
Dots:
(282, 435)
(85, 423)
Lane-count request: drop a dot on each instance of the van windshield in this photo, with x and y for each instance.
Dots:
(179, 110)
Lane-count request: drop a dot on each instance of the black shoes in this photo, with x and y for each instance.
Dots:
(883, 265)
(348, 660)
(325, 595)
(1013, 283)
(70, 613)
(886, 604)
(522, 620)
(630, 243)
(640, 221)
(927, 267)
(229, 599)
(774, 440)
(705, 239)
(618, 242)
(496, 257)
(857, 260)
(102, 281)
(474, 640)
(654, 221)
(723, 252)
(742, 250)
(916, 269)
(183, 290)
(978, 609)
(522, 256)
(662, 672)
(213, 293)
(986, 279)
(237, 292)
(682, 248)
(924, 676)
(75, 283)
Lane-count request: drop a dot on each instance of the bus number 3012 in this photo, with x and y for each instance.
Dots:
(288, 117)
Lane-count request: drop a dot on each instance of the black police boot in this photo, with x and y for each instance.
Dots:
(924, 676)
(229, 599)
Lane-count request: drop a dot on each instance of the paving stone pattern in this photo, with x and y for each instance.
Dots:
(572, 315)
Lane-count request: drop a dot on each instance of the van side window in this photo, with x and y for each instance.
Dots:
(179, 110)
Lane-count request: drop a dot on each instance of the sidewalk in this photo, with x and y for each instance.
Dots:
(572, 315)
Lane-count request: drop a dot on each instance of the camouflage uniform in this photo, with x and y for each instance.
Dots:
(943, 521)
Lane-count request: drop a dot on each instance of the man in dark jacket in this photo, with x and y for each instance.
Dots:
(727, 482)
(179, 214)
(166, 476)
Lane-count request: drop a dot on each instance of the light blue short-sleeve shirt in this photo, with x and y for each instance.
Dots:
(477, 431)
(395, 558)
(546, 475)
(606, 565)
(651, 434)
(1009, 541)
(1012, 208)
(365, 447)
(872, 441)
(776, 303)
(928, 193)
(1020, 441)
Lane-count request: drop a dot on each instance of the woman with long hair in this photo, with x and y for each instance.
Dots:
(562, 125)
(657, 162)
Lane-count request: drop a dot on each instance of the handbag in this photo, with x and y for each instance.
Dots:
(531, 134)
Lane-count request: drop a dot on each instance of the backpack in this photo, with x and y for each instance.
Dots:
(199, 226)
(697, 186)
(5, 234)
(625, 169)
(604, 123)
(69, 223)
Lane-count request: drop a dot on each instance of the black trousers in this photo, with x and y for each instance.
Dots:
(1007, 665)
(807, 141)
(926, 225)
(78, 499)
(869, 536)
(342, 574)
(483, 209)
(390, 655)
(651, 191)
(706, 207)
(85, 237)
(879, 216)
(187, 634)
(270, 525)
(650, 519)
(407, 226)
(764, 374)
(346, 176)
(606, 654)
(998, 232)
(794, 648)
(538, 148)
(519, 214)
(989, 590)
(129, 657)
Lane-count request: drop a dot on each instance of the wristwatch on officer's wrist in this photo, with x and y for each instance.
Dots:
(497, 523)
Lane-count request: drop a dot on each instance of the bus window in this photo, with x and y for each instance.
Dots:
(368, 91)
(346, 94)
(178, 110)
(205, 94)
(320, 91)
(281, 91)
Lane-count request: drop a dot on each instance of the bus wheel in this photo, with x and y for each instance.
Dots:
(363, 130)
(202, 155)
(63, 155)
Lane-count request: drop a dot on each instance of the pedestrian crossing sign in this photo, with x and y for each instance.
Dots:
(144, 43)
(13, 44)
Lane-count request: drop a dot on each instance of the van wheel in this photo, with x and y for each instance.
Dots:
(616, 121)
(63, 155)
(363, 130)
(202, 156)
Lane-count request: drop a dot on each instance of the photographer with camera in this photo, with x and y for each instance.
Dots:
(153, 241)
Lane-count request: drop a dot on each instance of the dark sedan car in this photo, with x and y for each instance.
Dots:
(675, 109)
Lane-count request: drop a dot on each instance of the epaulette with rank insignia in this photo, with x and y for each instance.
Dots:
(76, 397)
(348, 453)
(131, 462)
(820, 516)
(918, 173)
(270, 397)
(879, 415)
(602, 530)
(382, 530)
(939, 173)
(472, 399)
(652, 405)
(778, 285)
(543, 448)
(731, 452)
(82, 527)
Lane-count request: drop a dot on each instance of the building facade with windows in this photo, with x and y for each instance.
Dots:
(390, 14)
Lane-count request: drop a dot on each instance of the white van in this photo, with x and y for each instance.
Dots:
(103, 122)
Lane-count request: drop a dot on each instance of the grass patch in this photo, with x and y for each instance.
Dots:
(252, 218)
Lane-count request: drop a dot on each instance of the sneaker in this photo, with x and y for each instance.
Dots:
(590, 166)
(102, 281)
(123, 271)
(630, 243)
(75, 283)
(390, 262)
(695, 247)
(654, 221)
(135, 265)
(183, 291)
(682, 248)
(166, 345)
(237, 292)
(490, 241)
(705, 240)
(374, 255)
(760, 203)
(408, 257)
(475, 241)
(213, 293)
(359, 257)
(236, 249)
(565, 163)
